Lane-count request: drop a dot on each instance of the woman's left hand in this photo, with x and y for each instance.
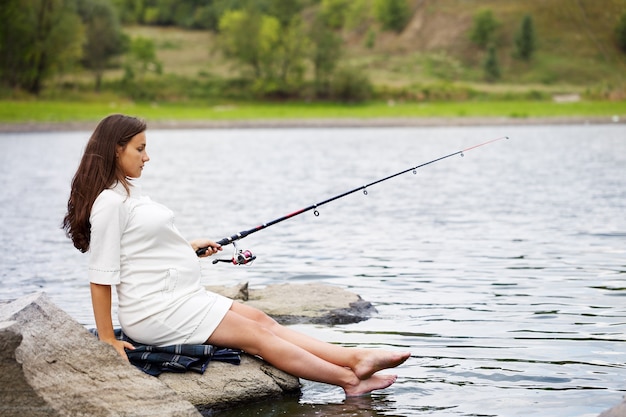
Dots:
(211, 247)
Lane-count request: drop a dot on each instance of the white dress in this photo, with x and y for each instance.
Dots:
(136, 247)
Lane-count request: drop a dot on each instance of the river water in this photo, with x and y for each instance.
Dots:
(502, 271)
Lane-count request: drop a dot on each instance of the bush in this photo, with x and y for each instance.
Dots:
(491, 65)
(392, 14)
(525, 39)
(484, 28)
(351, 85)
(334, 12)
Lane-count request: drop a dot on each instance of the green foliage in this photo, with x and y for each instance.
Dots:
(620, 32)
(104, 37)
(240, 34)
(525, 41)
(200, 14)
(334, 12)
(392, 14)
(197, 14)
(37, 38)
(130, 11)
(273, 53)
(141, 60)
(484, 28)
(491, 66)
(359, 15)
(370, 39)
(325, 53)
(284, 10)
(443, 66)
(351, 85)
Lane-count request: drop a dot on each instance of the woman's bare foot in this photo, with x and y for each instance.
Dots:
(372, 361)
(368, 385)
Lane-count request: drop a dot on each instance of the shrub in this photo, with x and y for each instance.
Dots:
(484, 28)
(392, 14)
(491, 65)
(351, 85)
(525, 39)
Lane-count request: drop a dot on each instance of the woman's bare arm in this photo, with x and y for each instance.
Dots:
(101, 302)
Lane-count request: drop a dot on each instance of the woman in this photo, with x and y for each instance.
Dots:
(134, 245)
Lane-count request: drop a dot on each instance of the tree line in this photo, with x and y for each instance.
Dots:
(280, 45)
(269, 38)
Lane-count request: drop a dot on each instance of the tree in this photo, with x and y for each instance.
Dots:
(325, 53)
(273, 52)
(105, 39)
(141, 59)
(483, 29)
(491, 65)
(620, 32)
(392, 14)
(37, 38)
(525, 39)
(130, 11)
(334, 13)
(240, 33)
(283, 10)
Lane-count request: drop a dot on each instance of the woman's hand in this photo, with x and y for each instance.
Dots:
(101, 300)
(211, 247)
(119, 346)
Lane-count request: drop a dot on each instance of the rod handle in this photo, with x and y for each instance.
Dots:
(226, 241)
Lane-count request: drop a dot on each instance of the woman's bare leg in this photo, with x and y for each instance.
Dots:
(240, 332)
(363, 362)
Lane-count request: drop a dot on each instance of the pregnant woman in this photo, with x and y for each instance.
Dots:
(134, 246)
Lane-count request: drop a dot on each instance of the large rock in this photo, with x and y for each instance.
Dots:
(224, 385)
(303, 303)
(50, 365)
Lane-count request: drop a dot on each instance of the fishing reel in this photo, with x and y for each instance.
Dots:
(240, 257)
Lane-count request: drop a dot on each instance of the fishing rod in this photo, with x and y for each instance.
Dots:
(241, 257)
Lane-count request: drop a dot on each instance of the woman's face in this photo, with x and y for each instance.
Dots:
(133, 156)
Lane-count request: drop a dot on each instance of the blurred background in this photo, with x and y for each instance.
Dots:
(220, 53)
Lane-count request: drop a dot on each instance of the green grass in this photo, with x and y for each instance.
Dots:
(57, 111)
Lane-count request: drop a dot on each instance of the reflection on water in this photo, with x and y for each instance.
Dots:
(503, 272)
(378, 404)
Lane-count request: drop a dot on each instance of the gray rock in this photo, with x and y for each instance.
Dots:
(52, 366)
(303, 303)
(224, 385)
(618, 411)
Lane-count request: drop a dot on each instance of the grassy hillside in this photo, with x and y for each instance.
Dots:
(576, 48)
(576, 45)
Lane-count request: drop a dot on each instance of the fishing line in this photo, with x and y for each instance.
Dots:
(243, 257)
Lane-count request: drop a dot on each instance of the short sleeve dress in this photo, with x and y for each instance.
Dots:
(136, 247)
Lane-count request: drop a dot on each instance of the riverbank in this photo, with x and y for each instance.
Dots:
(48, 115)
(320, 123)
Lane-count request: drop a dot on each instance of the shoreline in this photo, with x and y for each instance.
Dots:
(31, 127)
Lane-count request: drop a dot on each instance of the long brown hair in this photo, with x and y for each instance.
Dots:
(98, 170)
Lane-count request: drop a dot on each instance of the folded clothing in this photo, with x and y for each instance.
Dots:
(155, 360)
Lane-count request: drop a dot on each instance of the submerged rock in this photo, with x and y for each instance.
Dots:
(50, 365)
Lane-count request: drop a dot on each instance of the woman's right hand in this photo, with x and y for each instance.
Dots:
(101, 300)
(119, 346)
